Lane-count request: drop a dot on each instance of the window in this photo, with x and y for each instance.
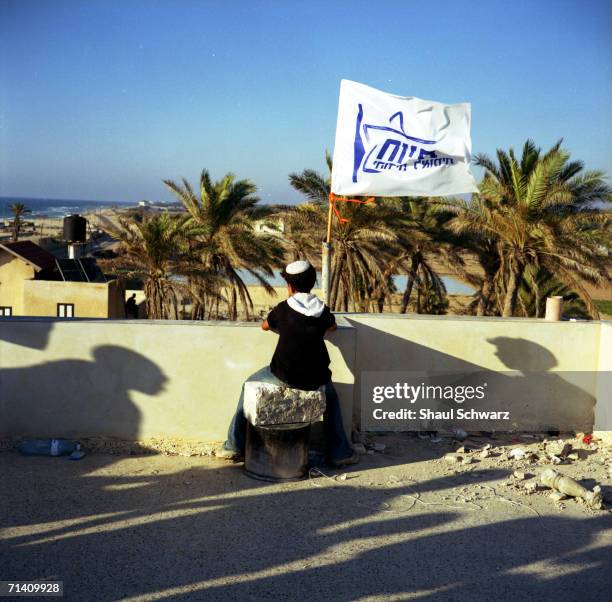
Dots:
(6, 310)
(65, 310)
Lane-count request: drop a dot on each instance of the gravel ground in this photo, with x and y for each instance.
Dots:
(404, 524)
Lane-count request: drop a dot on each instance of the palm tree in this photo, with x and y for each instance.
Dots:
(303, 223)
(419, 226)
(222, 217)
(363, 243)
(312, 184)
(18, 209)
(539, 284)
(154, 249)
(538, 210)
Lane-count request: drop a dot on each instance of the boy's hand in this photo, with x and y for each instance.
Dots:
(265, 325)
(332, 328)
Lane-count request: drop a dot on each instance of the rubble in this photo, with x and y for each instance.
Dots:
(572, 488)
(530, 487)
(453, 458)
(517, 453)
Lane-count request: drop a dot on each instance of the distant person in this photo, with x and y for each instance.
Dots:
(300, 361)
(131, 309)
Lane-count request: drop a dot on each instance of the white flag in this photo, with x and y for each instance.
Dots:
(388, 145)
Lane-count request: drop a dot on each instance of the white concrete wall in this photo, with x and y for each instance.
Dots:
(603, 410)
(558, 362)
(137, 379)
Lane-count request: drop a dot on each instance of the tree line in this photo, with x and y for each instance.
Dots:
(539, 226)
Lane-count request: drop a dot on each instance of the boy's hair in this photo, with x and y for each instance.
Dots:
(302, 282)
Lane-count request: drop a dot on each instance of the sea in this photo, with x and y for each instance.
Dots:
(61, 207)
(55, 207)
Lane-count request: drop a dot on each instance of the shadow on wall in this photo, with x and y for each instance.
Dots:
(77, 398)
(537, 396)
(31, 333)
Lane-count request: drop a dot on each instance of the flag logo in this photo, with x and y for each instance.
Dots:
(394, 146)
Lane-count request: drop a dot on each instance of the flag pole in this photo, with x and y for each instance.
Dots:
(326, 252)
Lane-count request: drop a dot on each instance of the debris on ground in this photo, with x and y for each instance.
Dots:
(517, 453)
(568, 486)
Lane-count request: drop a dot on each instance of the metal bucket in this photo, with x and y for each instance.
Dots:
(277, 453)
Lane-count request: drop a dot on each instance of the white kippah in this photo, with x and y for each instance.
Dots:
(297, 267)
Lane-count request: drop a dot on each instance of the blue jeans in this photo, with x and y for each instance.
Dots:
(337, 446)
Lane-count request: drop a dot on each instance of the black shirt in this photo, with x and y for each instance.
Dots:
(300, 359)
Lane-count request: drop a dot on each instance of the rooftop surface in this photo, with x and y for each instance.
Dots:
(30, 252)
(403, 524)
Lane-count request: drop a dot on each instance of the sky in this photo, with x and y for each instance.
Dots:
(102, 100)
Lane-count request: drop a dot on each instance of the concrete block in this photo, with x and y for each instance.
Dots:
(266, 404)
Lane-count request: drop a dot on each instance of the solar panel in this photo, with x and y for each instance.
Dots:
(80, 270)
(71, 270)
(92, 269)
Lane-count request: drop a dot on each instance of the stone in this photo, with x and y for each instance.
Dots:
(467, 460)
(452, 458)
(531, 487)
(485, 453)
(267, 404)
(519, 475)
(517, 453)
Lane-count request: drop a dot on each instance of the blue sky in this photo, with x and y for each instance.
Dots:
(104, 99)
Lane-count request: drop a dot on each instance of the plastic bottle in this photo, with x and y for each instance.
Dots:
(48, 447)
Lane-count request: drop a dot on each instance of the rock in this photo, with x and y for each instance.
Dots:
(485, 453)
(268, 404)
(467, 460)
(519, 475)
(517, 453)
(531, 487)
(452, 458)
(379, 447)
(359, 448)
(555, 459)
(464, 449)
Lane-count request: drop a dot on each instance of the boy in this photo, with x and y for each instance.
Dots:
(300, 361)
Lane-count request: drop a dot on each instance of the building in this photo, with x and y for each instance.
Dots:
(33, 282)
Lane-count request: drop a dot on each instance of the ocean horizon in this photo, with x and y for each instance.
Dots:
(41, 207)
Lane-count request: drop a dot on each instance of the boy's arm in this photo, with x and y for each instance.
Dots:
(331, 321)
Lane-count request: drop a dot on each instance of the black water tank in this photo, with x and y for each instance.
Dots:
(75, 228)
